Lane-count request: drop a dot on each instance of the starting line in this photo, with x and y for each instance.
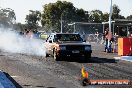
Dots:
(126, 58)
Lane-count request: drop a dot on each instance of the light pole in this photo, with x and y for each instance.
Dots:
(110, 15)
(74, 25)
(61, 24)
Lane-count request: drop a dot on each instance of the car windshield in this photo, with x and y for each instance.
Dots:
(68, 37)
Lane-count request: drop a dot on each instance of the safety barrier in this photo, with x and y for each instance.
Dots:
(124, 46)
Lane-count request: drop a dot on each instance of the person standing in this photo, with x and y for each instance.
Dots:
(108, 39)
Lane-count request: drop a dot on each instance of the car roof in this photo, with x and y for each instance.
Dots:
(63, 33)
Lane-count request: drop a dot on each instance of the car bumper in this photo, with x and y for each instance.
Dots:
(74, 53)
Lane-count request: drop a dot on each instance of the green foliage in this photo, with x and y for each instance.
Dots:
(19, 27)
(7, 17)
(53, 12)
(116, 13)
(81, 15)
(96, 16)
(32, 19)
(105, 17)
(129, 17)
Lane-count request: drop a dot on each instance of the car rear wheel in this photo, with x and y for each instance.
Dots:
(87, 57)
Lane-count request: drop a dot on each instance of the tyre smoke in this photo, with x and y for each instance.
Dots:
(11, 41)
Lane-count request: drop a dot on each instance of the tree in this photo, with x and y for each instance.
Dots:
(20, 27)
(116, 13)
(53, 13)
(81, 15)
(32, 19)
(129, 17)
(7, 17)
(105, 17)
(96, 16)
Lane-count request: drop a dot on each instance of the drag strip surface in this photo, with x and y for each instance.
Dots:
(40, 72)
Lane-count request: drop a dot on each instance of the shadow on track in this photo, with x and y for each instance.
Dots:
(90, 60)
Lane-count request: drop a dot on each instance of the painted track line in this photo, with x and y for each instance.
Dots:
(125, 58)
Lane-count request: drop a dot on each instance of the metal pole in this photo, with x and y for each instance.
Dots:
(110, 14)
(74, 28)
(103, 28)
(61, 23)
(113, 28)
(127, 31)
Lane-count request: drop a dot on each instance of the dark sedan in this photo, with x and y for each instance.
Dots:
(67, 45)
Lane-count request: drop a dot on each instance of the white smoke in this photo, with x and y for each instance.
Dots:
(11, 41)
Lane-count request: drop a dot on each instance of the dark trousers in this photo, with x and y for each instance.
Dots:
(108, 48)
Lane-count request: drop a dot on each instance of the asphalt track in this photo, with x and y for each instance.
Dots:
(30, 71)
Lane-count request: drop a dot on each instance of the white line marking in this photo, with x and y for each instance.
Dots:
(117, 58)
(124, 58)
(14, 76)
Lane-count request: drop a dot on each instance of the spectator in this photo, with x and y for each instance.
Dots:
(97, 36)
(29, 34)
(35, 34)
(107, 36)
(129, 33)
(21, 33)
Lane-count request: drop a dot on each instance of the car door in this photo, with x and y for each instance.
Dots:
(51, 44)
(48, 44)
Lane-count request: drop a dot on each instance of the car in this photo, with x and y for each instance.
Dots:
(61, 45)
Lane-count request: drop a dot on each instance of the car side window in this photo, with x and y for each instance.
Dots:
(50, 39)
(47, 39)
(55, 38)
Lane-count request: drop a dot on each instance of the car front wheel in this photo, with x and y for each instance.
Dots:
(47, 55)
(56, 57)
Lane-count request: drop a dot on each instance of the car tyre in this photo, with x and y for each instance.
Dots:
(87, 57)
(47, 55)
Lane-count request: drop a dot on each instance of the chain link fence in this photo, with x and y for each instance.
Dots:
(92, 33)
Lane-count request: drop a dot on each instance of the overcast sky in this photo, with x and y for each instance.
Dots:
(22, 7)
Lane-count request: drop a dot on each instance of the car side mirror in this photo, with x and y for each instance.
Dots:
(50, 41)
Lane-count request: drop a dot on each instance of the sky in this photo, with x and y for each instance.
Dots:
(22, 7)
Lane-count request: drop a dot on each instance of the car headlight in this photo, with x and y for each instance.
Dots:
(87, 47)
(62, 47)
